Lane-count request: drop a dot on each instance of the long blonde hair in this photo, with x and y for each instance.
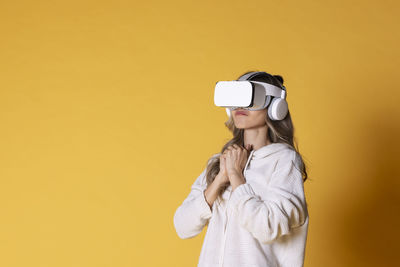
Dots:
(281, 131)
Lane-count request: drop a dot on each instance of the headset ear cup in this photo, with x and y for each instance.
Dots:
(228, 111)
(278, 109)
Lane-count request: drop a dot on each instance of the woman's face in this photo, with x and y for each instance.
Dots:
(246, 119)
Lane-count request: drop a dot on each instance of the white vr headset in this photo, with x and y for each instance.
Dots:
(251, 95)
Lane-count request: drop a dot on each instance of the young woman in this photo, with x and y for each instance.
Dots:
(250, 195)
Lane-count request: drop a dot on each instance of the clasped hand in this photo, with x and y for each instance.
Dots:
(232, 163)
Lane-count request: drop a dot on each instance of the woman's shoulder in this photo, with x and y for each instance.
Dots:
(288, 156)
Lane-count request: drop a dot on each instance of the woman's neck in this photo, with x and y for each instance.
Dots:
(257, 137)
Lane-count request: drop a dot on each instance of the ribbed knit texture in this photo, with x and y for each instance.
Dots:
(263, 222)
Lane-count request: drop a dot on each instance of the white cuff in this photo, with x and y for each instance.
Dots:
(243, 191)
(202, 206)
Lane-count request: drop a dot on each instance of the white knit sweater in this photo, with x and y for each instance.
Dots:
(263, 222)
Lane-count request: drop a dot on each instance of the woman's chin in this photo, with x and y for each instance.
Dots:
(241, 125)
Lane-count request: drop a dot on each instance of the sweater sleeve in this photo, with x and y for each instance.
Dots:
(281, 208)
(194, 212)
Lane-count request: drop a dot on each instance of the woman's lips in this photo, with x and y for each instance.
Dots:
(240, 113)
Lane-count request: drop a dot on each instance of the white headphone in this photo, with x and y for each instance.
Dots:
(278, 108)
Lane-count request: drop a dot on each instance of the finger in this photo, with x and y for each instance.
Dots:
(247, 148)
(238, 147)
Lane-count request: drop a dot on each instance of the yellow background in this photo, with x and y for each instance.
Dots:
(107, 117)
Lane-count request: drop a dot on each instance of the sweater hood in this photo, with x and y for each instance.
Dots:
(269, 149)
(265, 151)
